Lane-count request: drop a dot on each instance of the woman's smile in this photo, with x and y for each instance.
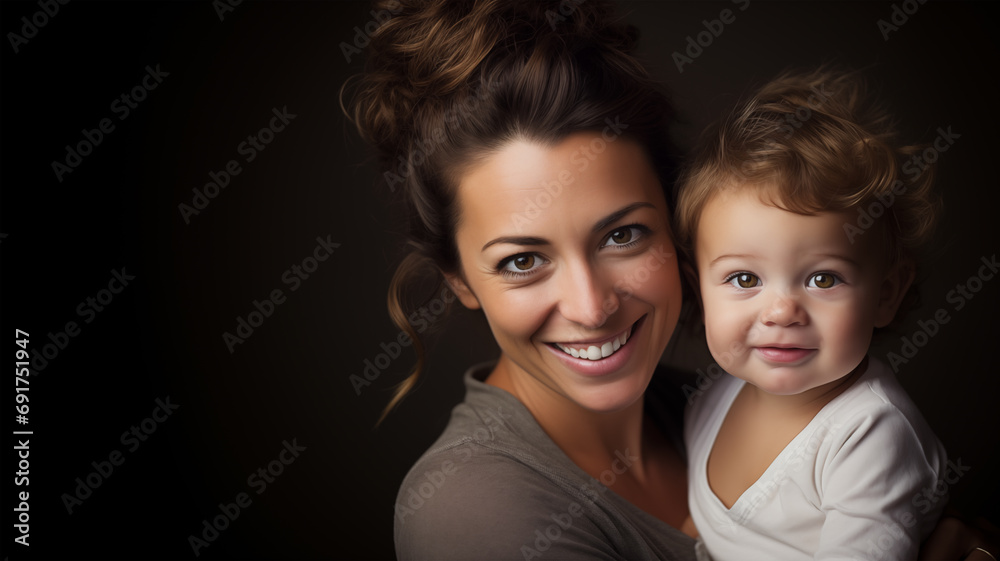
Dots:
(596, 349)
(601, 357)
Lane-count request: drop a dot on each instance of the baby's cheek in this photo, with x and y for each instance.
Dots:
(720, 342)
(851, 339)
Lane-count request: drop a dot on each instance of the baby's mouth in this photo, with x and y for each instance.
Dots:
(599, 349)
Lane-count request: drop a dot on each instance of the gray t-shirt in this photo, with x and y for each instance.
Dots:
(495, 486)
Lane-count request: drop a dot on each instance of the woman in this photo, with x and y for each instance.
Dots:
(535, 159)
(531, 149)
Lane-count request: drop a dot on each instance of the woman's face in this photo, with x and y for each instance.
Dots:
(567, 251)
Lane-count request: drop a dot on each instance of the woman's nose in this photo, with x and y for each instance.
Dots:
(587, 298)
(784, 310)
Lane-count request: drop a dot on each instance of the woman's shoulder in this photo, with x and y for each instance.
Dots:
(473, 501)
(492, 486)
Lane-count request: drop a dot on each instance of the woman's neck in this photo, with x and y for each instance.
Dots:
(594, 441)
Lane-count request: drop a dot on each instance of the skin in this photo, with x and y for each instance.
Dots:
(573, 262)
(790, 306)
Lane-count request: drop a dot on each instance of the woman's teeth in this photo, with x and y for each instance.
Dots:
(597, 352)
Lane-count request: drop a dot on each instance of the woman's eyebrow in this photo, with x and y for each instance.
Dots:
(618, 215)
(516, 240)
(600, 225)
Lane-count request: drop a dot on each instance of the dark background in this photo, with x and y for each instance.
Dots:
(162, 335)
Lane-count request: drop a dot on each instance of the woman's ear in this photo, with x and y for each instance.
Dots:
(462, 290)
(894, 286)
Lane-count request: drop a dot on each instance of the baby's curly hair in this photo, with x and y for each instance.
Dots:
(813, 142)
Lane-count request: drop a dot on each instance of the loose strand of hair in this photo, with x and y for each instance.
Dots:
(408, 269)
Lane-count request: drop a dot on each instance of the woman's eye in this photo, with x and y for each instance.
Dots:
(624, 236)
(521, 264)
(823, 280)
(524, 262)
(744, 280)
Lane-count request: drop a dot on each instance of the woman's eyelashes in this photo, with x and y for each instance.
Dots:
(523, 264)
(520, 265)
(745, 280)
(626, 236)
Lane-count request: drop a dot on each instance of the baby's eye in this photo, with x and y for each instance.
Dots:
(823, 280)
(744, 280)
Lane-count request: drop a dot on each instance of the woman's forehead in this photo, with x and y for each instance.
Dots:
(583, 177)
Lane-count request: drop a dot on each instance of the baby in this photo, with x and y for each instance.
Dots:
(811, 449)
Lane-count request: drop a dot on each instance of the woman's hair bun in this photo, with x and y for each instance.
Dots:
(429, 51)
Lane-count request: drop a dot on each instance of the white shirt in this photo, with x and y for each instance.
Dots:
(865, 479)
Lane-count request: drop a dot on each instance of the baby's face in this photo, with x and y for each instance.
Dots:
(790, 303)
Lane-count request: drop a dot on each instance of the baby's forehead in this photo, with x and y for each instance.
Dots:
(744, 215)
(769, 192)
(789, 196)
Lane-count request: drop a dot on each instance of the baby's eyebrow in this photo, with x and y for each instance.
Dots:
(849, 260)
(731, 256)
(839, 257)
